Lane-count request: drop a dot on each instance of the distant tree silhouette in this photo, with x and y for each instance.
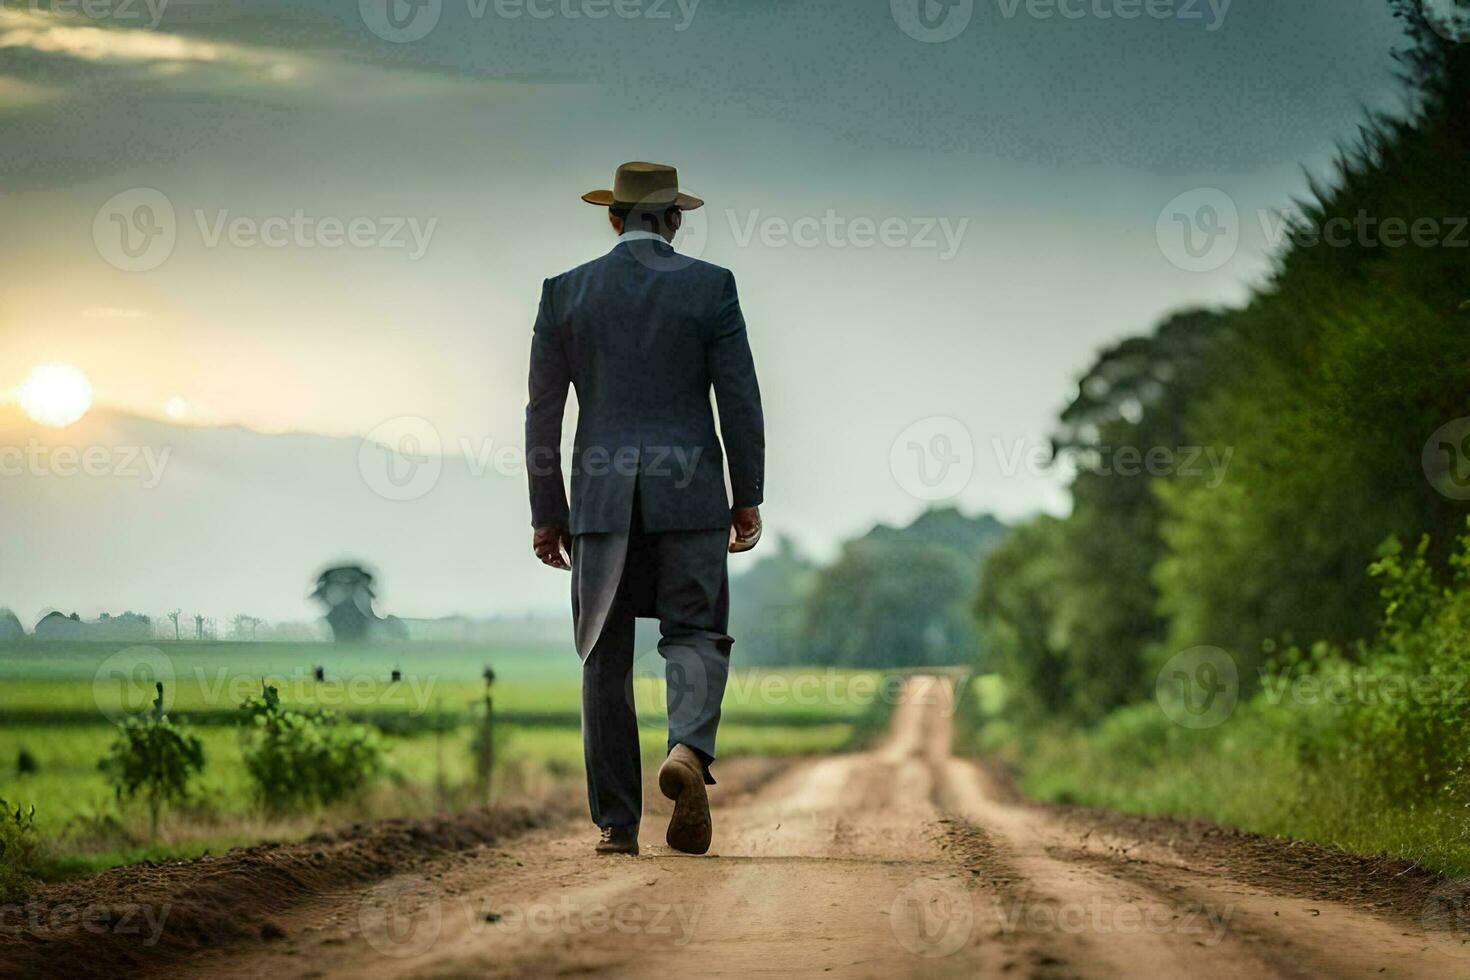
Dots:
(243, 627)
(347, 593)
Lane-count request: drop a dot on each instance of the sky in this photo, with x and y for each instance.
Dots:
(333, 218)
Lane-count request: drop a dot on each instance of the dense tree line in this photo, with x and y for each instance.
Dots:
(894, 597)
(1290, 438)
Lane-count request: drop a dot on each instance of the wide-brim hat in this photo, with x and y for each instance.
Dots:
(645, 186)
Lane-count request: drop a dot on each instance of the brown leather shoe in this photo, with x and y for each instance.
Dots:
(681, 778)
(618, 840)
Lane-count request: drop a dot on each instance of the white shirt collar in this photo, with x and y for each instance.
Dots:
(638, 235)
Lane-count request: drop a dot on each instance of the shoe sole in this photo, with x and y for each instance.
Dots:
(689, 828)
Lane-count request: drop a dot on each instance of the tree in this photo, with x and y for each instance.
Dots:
(346, 591)
(1321, 401)
(243, 627)
(155, 759)
(10, 628)
(301, 758)
(891, 604)
(1021, 595)
(1126, 431)
(898, 596)
(766, 604)
(1329, 385)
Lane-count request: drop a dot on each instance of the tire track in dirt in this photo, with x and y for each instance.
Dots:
(1165, 918)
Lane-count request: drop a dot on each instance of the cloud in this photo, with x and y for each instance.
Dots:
(53, 56)
(157, 54)
(59, 35)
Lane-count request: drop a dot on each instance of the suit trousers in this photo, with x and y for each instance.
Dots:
(680, 578)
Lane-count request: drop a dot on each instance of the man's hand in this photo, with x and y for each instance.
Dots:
(745, 528)
(553, 545)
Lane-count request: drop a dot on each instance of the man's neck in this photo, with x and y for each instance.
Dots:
(637, 235)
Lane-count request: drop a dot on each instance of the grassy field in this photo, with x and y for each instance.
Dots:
(59, 705)
(1251, 773)
(205, 683)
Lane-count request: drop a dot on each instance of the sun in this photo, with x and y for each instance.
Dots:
(55, 395)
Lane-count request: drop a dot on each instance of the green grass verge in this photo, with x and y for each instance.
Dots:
(1248, 772)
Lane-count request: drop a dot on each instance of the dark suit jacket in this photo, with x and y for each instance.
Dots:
(643, 334)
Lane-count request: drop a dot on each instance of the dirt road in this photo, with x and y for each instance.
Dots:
(901, 861)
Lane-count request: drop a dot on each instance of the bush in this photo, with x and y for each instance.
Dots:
(1363, 748)
(18, 850)
(155, 759)
(299, 759)
(1404, 721)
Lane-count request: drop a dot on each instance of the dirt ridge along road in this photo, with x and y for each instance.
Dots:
(900, 861)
